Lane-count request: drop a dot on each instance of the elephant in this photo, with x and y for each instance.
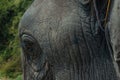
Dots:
(65, 40)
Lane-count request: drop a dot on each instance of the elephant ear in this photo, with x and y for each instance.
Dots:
(108, 40)
(114, 31)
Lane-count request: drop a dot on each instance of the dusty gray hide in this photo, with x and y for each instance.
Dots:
(61, 40)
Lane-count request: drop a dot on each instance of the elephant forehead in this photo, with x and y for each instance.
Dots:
(48, 15)
(42, 12)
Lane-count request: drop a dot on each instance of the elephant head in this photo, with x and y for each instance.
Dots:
(61, 40)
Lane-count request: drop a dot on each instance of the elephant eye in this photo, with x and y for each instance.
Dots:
(27, 43)
(32, 52)
(30, 46)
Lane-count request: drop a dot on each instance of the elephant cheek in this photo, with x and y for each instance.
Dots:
(34, 73)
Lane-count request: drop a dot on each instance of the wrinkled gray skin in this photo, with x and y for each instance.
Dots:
(114, 31)
(61, 41)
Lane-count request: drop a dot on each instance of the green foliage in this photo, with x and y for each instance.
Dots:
(10, 14)
(18, 78)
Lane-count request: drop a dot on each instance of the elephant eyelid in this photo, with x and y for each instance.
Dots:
(27, 37)
(27, 42)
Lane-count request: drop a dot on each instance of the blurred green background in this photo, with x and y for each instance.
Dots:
(11, 12)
